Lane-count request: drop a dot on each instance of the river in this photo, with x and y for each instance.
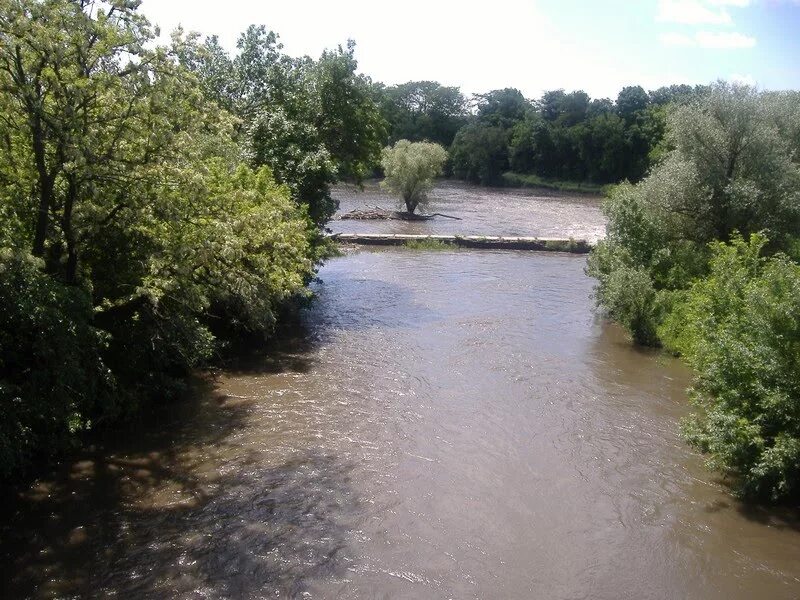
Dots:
(479, 211)
(448, 424)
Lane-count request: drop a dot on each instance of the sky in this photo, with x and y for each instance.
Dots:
(598, 46)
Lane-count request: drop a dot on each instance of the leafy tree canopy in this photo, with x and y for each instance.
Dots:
(133, 237)
(313, 122)
(410, 168)
(423, 111)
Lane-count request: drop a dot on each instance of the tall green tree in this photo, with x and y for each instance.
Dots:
(70, 95)
(630, 101)
(502, 108)
(313, 122)
(132, 234)
(423, 110)
(349, 120)
(480, 153)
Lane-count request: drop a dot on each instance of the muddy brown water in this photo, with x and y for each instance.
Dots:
(453, 424)
(481, 210)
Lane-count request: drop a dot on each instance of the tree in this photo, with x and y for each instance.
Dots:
(70, 96)
(312, 122)
(673, 93)
(523, 153)
(133, 239)
(410, 168)
(480, 153)
(630, 101)
(734, 142)
(423, 111)
(604, 148)
(349, 120)
(502, 108)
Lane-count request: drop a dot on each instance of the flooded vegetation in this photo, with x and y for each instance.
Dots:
(452, 424)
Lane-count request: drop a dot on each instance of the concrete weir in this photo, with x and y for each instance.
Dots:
(469, 241)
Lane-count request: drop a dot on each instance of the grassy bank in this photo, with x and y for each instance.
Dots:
(519, 180)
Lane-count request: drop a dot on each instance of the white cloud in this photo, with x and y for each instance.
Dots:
(692, 12)
(708, 39)
(736, 3)
(718, 39)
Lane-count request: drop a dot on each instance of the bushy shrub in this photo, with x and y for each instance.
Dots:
(640, 264)
(739, 328)
(630, 299)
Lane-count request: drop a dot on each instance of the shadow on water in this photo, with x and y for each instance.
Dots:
(174, 506)
(178, 508)
(347, 302)
(292, 353)
(777, 517)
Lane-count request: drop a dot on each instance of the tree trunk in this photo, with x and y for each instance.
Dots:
(46, 183)
(69, 233)
(411, 205)
(724, 217)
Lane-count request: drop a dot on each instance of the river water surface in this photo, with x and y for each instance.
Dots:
(453, 424)
(479, 211)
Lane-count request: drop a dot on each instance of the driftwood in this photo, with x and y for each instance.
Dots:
(381, 214)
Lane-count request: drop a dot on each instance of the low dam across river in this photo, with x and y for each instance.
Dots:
(468, 241)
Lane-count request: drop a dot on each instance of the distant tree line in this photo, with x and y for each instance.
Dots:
(561, 136)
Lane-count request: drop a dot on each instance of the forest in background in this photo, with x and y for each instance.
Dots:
(502, 138)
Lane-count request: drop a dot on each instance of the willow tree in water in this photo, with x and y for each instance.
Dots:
(410, 168)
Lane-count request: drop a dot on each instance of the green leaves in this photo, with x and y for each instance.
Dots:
(311, 122)
(410, 168)
(480, 153)
(668, 274)
(126, 176)
(422, 111)
(52, 375)
(740, 330)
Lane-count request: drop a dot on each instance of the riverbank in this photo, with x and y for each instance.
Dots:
(521, 180)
